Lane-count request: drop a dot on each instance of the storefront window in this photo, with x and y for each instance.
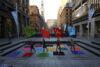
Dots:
(0, 26)
(9, 21)
(98, 30)
(98, 27)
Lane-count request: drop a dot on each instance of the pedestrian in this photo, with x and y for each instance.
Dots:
(58, 45)
(44, 46)
(31, 43)
(72, 44)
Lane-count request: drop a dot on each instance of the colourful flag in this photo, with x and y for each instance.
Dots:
(71, 31)
(45, 33)
(58, 32)
(29, 31)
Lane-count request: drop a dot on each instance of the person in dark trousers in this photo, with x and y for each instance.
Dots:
(31, 43)
(58, 45)
(72, 44)
(44, 46)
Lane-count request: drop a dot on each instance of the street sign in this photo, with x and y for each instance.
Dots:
(91, 12)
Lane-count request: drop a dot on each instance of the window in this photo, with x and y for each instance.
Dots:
(66, 13)
(66, 9)
(84, 1)
(9, 21)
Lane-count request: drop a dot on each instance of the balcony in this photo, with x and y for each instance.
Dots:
(76, 4)
(81, 11)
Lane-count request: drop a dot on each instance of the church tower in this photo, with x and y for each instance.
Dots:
(42, 9)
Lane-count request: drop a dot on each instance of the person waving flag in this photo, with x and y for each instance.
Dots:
(45, 33)
(58, 32)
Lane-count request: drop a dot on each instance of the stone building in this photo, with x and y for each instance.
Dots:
(59, 17)
(64, 3)
(34, 15)
(66, 17)
(7, 23)
(51, 23)
(80, 18)
(36, 20)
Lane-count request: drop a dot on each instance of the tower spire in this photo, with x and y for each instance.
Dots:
(42, 9)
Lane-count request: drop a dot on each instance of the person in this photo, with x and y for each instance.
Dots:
(31, 45)
(72, 44)
(58, 45)
(44, 46)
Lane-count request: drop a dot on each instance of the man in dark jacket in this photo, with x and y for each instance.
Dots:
(72, 44)
(44, 46)
(31, 43)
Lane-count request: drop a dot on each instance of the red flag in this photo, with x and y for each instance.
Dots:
(45, 33)
(58, 32)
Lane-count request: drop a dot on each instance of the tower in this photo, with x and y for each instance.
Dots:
(42, 9)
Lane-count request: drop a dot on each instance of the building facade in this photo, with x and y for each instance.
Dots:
(51, 23)
(36, 20)
(66, 17)
(80, 18)
(42, 9)
(59, 17)
(34, 14)
(8, 26)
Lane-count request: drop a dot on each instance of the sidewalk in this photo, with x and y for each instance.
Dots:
(17, 39)
(89, 40)
(68, 60)
(50, 39)
(5, 40)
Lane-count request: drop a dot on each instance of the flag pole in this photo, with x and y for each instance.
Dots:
(17, 20)
(88, 19)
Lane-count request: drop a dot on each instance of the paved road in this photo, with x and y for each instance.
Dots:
(69, 60)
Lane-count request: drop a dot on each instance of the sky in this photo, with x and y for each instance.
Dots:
(50, 7)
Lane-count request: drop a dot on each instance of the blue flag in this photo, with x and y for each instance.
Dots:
(14, 14)
(71, 30)
(91, 12)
